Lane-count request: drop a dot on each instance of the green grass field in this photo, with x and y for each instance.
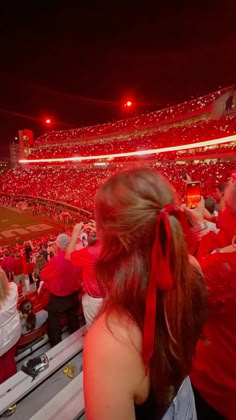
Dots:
(22, 226)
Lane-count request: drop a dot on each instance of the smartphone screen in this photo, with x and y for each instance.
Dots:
(193, 194)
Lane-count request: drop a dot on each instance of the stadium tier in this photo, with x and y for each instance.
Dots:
(78, 186)
(194, 129)
(152, 138)
(204, 106)
(197, 136)
(195, 140)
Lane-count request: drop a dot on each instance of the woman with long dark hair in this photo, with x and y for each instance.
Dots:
(138, 353)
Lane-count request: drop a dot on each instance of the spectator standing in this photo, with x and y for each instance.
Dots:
(39, 265)
(86, 258)
(63, 281)
(7, 263)
(220, 199)
(28, 265)
(44, 248)
(18, 270)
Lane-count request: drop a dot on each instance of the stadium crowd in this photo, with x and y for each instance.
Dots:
(67, 183)
(155, 278)
(215, 254)
(184, 110)
(150, 139)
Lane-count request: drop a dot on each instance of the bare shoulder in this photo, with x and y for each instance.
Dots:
(116, 331)
(113, 350)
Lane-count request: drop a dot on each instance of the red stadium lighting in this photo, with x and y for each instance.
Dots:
(189, 146)
(128, 104)
(48, 121)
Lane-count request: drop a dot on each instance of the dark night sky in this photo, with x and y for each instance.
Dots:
(78, 60)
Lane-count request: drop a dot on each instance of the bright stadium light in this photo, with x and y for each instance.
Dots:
(48, 121)
(136, 152)
(128, 104)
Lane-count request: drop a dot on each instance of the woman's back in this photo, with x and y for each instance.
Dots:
(116, 359)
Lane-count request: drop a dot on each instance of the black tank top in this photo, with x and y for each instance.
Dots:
(148, 410)
(182, 407)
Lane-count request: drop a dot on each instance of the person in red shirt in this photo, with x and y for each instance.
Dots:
(28, 265)
(18, 270)
(7, 263)
(63, 281)
(220, 198)
(86, 258)
(214, 367)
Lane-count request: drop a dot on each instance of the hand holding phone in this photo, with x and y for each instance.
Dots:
(193, 194)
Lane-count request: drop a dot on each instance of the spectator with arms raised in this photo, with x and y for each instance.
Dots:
(86, 258)
(154, 304)
(63, 282)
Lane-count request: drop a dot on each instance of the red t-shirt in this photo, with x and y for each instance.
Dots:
(62, 277)
(86, 258)
(214, 367)
(223, 238)
(28, 267)
(18, 267)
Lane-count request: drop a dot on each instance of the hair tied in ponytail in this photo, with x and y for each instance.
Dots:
(160, 275)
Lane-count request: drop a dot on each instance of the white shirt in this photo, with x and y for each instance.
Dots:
(10, 325)
(212, 226)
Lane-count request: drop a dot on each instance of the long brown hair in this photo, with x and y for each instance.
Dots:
(127, 206)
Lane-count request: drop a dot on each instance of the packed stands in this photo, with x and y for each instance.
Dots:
(78, 186)
(179, 112)
(150, 139)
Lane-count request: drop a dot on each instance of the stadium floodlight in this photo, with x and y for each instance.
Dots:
(48, 121)
(215, 142)
(128, 104)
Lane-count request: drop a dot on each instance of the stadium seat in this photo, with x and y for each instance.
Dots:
(33, 297)
(20, 385)
(67, 404)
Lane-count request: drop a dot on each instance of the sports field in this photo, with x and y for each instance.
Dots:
(15, 225)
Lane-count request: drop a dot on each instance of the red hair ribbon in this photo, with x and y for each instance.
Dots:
(160, 275)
